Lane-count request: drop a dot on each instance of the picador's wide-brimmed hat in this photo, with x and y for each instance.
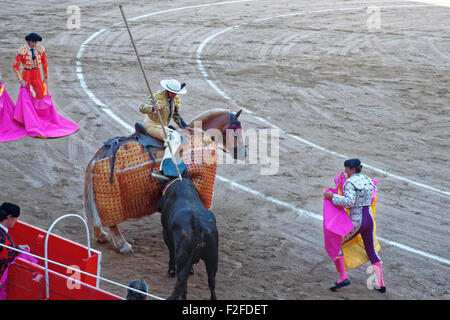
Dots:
(174, 86)
(33, 37)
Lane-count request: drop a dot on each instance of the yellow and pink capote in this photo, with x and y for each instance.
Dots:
(337, 223)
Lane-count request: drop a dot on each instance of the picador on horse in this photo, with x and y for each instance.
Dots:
(168, 104)
(122, 178)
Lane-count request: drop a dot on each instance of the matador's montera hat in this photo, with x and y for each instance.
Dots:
(33, 37)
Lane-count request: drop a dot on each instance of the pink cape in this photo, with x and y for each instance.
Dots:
(336, 222)
(9, 128)
(39, 116)
(5, 274)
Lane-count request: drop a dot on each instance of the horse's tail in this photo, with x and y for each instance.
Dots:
(90, 206)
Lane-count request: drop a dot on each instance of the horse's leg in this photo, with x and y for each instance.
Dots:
(118, 240)
(100, 234)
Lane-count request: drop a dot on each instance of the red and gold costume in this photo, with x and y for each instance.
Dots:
(32, 73)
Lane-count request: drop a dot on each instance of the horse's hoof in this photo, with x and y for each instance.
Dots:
(102, 238)
(127, 248)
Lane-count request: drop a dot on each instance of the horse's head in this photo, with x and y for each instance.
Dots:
(225, 129)
(233, 132)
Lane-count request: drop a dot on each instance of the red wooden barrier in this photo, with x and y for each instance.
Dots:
(59, 249)
(26, 280)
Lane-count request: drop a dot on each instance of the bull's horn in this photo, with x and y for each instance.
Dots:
(238, 113)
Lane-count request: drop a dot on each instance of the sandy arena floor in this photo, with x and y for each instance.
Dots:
(329, 75)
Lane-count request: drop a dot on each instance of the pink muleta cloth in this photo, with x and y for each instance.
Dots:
(39, 116)
(4, 276)
(9, 128)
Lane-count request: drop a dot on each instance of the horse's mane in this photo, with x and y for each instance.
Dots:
(208, 113)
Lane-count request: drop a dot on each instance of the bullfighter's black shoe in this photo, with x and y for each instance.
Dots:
(341, 284)
(382, 289)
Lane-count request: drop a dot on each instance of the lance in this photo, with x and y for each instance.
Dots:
(151, 92)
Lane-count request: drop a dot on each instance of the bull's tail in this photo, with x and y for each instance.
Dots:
(90, 207)
(197, 229)
(197, 237)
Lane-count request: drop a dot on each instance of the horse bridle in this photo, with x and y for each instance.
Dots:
(234, 124)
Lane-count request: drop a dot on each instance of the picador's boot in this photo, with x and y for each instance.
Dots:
(169, 170)
(167, 166)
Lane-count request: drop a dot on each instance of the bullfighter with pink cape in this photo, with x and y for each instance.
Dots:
(39, 116)
(36, 112)
(349, 223)
(9, 129)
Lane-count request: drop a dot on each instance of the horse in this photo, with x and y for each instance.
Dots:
(190, 233)
(130, 198)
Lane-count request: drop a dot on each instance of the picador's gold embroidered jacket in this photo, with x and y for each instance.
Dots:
(169, 110)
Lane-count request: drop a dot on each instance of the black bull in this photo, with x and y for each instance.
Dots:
(190, 233)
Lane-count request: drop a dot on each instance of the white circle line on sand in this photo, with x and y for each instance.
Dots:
(216, 88)
(233, 184)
